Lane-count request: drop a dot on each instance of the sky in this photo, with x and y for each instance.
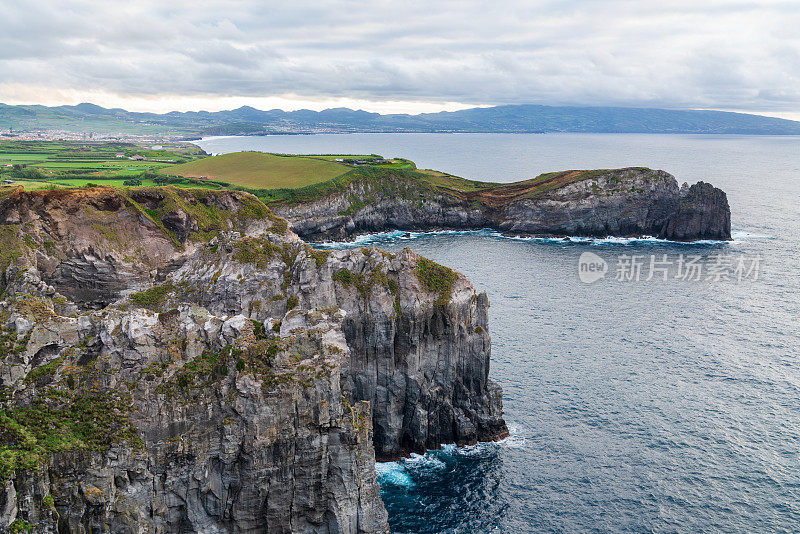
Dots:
(402, 57)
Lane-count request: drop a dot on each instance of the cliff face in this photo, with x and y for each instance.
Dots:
(93, 245)
(623, 202)
(177, 361)
(183, 421)
(702, 210)
(419, 355)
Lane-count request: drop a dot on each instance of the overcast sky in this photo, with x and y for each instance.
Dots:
(402, 56)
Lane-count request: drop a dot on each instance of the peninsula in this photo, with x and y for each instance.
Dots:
(176, 357)
(599, 203)
(395, 195)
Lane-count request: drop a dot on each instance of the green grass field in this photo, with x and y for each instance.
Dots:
(398, 163)
(448, 181)
(272, 177)
(258, 170)
(29, 185)
(334, 157)
(52, 159)
(81, 182)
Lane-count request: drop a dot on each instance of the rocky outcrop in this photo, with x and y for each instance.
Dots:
(203, 370)
(702, 210)
(184, 421)
(623, 202)
(93, 244)
(421, 361)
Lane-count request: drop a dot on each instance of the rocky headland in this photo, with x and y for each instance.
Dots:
(629, 202)
(179, 361)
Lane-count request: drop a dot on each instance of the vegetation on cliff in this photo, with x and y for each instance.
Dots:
(153, 297)
(419, 186)
(179, 214)
(437, 279)
(62, 421)
(206, 209)
(292, 179)
(10, 246)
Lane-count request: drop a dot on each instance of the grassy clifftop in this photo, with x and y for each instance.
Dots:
(416, 184)
(274, 178)
(259, 170)
(140, 225)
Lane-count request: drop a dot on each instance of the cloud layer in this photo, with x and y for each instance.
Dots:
(742, 55)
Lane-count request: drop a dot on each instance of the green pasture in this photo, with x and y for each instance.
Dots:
(258, 170)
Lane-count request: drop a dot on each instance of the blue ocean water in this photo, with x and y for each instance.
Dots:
(634, 406)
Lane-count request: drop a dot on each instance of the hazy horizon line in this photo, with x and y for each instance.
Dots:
(381, 107)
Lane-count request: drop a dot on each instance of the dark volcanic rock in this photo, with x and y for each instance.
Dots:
(427, 375)
(702, 213)
(622, 202)
(238, 381)
(423, 367)
(219, 452)
(89, 279)
(179, 223)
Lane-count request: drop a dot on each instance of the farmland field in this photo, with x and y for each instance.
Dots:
(53, 159)
(258, 170)
(146, 182)
(65, 164)
(29, 185)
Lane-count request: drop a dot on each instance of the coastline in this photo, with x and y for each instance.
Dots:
(366, 238)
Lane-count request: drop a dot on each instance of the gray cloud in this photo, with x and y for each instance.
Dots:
(711, 53)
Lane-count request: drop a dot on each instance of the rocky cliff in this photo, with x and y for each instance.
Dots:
(621, 202)
(178, 361)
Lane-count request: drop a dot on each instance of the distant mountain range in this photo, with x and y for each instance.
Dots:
(90, 118)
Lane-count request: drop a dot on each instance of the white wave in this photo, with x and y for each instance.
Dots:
(478, 450)
(741, 235)
(426, 461)
(515, 439)
(393, 473)
(362, 240)
(614, 240)
(400, 235)
(399, 473)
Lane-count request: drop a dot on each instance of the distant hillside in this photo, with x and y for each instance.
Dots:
(509, 119)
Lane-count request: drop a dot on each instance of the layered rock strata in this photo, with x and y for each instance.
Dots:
(622, 202)
(177, 361)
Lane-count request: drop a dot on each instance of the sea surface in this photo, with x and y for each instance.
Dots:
(636, 403)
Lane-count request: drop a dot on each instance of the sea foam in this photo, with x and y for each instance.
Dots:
(400, 235)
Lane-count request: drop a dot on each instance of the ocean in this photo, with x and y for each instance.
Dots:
(649, 386)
